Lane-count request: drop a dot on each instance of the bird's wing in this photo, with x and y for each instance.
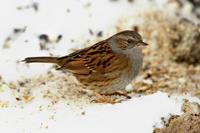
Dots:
(94, 59)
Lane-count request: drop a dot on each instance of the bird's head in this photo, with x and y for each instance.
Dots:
(126, 41)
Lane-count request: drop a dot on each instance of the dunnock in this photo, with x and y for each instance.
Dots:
(106, 67)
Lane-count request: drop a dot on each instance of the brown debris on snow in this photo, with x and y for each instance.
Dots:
(171, 60)
(189, 122)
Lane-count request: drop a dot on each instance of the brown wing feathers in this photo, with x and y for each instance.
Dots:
(82, 61)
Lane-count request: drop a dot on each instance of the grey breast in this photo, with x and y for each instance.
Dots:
(136, 61)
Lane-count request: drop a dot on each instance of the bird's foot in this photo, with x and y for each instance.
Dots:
(104, 99)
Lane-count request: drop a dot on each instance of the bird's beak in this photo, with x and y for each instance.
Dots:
(142, 44)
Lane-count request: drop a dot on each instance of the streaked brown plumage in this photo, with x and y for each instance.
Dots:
(107, 66)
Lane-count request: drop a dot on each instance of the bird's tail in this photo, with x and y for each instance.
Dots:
(41, 60)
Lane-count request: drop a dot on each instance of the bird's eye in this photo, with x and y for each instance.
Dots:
(129, 41)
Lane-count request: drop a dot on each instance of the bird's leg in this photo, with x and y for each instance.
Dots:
(120, 93)
(85, 91)
(99, 98)
(103, 99)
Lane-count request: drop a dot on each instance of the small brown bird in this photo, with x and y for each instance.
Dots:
(106, 67)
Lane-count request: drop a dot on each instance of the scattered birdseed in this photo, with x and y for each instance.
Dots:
(131, 1)
(91, 32)
(14, 35)
(3, 104)
(33, 5)
(83, 113)
(100, 34)
(46, 40)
